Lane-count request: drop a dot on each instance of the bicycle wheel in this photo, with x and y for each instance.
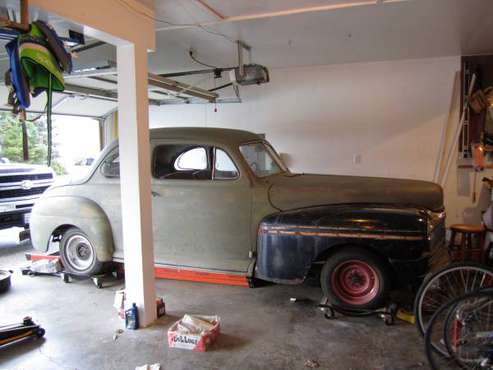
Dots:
(441, 330)
(446, 284)
(435, 349)
(468, 331)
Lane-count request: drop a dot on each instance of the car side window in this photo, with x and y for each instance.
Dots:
(193, 159)
(111, 165)
(224, 167)
(182, 162)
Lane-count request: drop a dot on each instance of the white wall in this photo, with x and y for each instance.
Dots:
(390, 114)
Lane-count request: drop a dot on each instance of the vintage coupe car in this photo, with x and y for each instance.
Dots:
(224, 202)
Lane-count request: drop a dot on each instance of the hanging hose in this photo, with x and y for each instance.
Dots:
(48, 121)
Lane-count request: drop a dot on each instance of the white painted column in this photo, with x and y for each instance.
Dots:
(135, 177)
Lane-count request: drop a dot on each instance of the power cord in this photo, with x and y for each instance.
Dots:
(138, 11)
(190, 53)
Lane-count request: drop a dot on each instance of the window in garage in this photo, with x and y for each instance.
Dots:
(69, 157)
(68, 135)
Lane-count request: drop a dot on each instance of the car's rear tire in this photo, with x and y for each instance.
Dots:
(78, 254)
(354, 278)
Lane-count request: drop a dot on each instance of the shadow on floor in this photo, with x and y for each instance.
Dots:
(22, 348)
(227, 342)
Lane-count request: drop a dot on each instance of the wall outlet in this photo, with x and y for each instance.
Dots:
(357, 158)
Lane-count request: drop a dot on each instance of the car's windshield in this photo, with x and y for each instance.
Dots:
(262, 159)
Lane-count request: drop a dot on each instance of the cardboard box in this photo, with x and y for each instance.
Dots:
(119, 303)
(185, 335)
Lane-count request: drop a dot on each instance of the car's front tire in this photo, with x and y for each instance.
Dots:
(355, 278)
(78, 254)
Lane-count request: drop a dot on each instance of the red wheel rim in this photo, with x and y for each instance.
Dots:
(355, 282)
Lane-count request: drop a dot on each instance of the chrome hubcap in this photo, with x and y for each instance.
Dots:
(79, 252)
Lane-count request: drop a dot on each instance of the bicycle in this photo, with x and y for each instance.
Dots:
(463, 328)
(446, 285)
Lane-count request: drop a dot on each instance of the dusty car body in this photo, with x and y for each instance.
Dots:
(238, 210)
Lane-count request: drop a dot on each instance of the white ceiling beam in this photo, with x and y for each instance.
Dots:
(282, 13)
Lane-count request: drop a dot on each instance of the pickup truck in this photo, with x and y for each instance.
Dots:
(20, 186)
(225, 203)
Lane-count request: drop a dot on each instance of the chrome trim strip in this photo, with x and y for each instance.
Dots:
(17, 186)
(333, 229)
(343, 234)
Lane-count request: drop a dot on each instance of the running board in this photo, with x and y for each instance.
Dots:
(203, 277)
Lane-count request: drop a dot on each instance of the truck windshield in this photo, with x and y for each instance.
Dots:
(262, 159)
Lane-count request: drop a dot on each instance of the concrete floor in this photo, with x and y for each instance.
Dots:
(260, 328)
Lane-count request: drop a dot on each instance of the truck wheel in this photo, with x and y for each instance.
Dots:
(78, 254)
(355, 278)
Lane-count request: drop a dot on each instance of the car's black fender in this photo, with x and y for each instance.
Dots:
(290, 242)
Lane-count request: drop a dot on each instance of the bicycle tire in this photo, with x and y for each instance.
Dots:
(437, 360)
(421, 323)
(468, 312)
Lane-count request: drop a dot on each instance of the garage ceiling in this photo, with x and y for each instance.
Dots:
(394, 30)
(389, 30)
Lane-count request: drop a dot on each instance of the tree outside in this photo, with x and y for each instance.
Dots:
(11, 142)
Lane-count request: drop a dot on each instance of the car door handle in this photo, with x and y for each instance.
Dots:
(155, 194)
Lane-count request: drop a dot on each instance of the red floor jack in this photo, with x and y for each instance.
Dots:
(15, 333)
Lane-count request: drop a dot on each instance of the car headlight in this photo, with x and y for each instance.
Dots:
(434, 219)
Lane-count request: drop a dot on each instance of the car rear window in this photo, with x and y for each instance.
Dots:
(182, 162)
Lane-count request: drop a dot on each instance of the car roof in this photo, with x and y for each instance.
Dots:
(209, 134)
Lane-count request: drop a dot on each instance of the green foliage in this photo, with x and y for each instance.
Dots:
(58, 168)
(11, 142)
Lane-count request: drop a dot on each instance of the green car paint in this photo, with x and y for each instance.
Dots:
(209, 225)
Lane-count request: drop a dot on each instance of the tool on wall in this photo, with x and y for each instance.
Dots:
(474, 134)
(479, 164)
(455, 140)
(464, 148)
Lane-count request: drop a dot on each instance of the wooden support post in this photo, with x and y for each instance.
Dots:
(135, 180)
(23, 25)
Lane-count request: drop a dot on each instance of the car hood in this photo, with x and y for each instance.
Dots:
(292, 191)
(8, 168)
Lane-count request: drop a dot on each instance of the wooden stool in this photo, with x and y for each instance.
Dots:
(465, 250)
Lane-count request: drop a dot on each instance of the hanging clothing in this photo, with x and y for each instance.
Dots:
(37, 61)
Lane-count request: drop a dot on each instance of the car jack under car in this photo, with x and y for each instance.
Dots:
(387, 314)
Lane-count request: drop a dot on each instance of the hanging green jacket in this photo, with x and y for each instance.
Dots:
(38, 63)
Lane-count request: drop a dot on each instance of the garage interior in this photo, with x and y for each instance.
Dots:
(391, 98)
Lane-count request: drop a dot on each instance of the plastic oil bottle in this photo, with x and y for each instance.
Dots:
(132, 317)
